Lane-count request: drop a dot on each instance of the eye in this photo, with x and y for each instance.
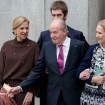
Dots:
(53, 15)
(59, 15)
(27, 28)
(21, 28)
(99, 33)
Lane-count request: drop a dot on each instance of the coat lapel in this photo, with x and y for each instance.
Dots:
(71, 54)
(54, 58)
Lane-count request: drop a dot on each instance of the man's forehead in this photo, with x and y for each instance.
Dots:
(57, 11)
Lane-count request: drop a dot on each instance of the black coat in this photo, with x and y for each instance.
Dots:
(70, 86)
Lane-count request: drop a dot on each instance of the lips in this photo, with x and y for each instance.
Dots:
(24, 35)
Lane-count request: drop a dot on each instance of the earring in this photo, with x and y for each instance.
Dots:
(14, 33)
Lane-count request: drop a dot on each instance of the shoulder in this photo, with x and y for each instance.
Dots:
(73, 30)
(8, 42)
(48, 43)
(32, 43)
(46, 32)
(76, 41)
(94, 46)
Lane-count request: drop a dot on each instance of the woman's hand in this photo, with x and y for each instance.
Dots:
(99, 79)
(3, 91)
(84, 75)
(28, 98)
(14, 90)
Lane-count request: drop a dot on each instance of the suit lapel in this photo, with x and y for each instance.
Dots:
(54, 58)
(71, 54)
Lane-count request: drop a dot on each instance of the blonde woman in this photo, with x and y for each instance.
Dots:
(17, 58)
(94, 91)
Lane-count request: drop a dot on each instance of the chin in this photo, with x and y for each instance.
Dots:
(24, 38)
(54, 41)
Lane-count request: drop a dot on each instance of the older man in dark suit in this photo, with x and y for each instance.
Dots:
(58, 9)
(61, 56)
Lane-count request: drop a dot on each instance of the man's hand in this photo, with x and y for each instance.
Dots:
(46, 71)
(14, 90)
(28, 98)
(84, 75)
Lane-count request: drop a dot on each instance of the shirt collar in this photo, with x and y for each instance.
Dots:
(66, 42)
(102, 47)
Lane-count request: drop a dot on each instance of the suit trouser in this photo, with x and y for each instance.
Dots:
(42, 92)
(61, 100)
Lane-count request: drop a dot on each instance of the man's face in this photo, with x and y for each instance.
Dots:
(58, 14)
(57, 35)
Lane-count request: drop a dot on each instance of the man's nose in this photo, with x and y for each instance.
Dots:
(52, 35)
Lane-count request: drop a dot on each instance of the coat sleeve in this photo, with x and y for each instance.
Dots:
(86, 63)
(36, 72)
(2, 64)
(5, 100)
(34, 88)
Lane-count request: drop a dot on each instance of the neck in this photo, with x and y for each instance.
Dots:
(61, 43)
(103, 45)
(19, 40)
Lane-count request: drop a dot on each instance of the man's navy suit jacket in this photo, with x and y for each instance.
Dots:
(70, 86)
(72, 33)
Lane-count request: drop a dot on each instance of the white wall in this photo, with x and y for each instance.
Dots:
(10, 9)
(83, 15)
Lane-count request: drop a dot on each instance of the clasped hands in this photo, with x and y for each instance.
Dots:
(15, 90)
(84, 75)
(11, 92)
(99, 79)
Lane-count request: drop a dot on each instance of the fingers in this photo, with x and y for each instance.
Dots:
(13, 91)
(2, 93)
(99, 79)
(26, 103)
(83, 78)
(84, 75)
(3, 90)
(28, 98)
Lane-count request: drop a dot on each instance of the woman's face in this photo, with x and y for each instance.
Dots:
(100, 35)
(22, 31)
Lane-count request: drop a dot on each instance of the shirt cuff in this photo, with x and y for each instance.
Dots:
(21, 90)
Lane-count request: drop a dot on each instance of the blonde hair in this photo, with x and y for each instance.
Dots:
(18, 21)
(102, 24)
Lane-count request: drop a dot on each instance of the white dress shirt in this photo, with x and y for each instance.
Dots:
(66, 46)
